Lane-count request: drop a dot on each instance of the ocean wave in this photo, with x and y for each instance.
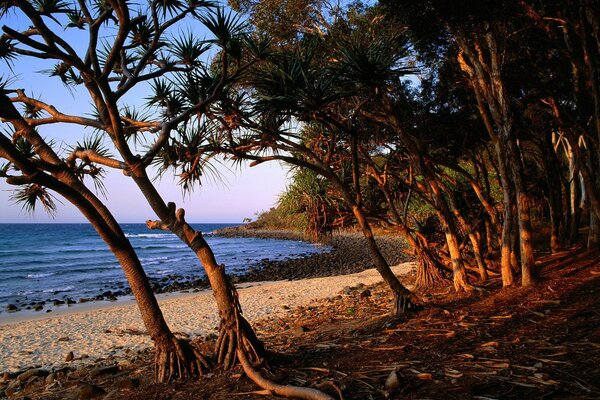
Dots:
(164, 271)
(148, 235)
(40, 275)
(153, 259)
(58, 290)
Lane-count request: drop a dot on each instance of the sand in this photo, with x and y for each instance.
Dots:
(98, 330)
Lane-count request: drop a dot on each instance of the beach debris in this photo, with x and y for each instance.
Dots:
(365, 294)
(31, 373)
(87, 391)
(109, 369)
(298, 330)
(50, 378)
(64, 339)
(393, 381)
(69, 357)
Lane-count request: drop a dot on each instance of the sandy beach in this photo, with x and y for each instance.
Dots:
(100, 330)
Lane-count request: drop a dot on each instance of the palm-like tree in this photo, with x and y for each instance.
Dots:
(184, 87)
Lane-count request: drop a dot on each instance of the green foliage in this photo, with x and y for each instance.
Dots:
(7, 53)
(29, 196)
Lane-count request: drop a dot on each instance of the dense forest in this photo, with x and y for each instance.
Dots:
(471, 129)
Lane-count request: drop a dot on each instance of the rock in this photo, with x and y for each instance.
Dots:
(69, 357)
(11, 307)
(63, 339)
(38, 307)
(393, 381)
(87, 391)
(298, 330)
(50, 379)
(32, 372)
(127, 383)
(110, 369)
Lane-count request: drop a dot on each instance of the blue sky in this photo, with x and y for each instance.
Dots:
(243, 192)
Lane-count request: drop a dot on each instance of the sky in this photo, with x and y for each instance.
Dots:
(241, 193)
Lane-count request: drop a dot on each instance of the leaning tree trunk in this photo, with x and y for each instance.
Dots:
(182, 360)
(404, 300)
(234, 330)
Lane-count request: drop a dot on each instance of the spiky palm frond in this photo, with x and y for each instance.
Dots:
(170, 7)
(24, 147)
(94, 143)
(293, 82)
(193, 87)
(373, 62)
(104, 52)
(49, 7)
(259, 46)
(5, 7)
(166, 97)
(32, 111)
(30, 195)
(186, 157)
(7, 51)
(86, 168)
(142, 33)
(76, 19)
(5, 82)
(224, 26)
(66, 74)
(131, 131)
(187, 49)
(102, 6)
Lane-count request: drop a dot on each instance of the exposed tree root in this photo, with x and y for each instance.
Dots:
(277, 389)
(405, 302)
(461, 282)
(430, 272)
(236, 334)
(178, 359)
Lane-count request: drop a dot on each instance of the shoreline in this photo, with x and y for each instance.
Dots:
(347, 254)
(117, 331)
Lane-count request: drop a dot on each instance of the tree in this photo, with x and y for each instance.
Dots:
(185, 82)
(37, 168)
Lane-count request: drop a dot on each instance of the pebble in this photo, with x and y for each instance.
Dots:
(393, 381)
(69, 357)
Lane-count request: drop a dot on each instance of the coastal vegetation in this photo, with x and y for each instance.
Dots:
(470, 130)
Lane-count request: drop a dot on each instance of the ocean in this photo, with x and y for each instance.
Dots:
(48, 262)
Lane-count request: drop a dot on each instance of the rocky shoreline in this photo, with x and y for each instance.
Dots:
(348, 254)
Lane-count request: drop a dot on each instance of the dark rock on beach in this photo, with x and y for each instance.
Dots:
(349, 254)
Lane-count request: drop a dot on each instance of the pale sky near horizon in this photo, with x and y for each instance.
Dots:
(244, 191)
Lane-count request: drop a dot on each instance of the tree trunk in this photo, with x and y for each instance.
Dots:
(403, 298)
(181, 360)
(528, 274)
(235, 333)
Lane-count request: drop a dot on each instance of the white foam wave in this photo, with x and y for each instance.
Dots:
(58, 290)
(164, 271)
(40, 275)
(148, 235)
